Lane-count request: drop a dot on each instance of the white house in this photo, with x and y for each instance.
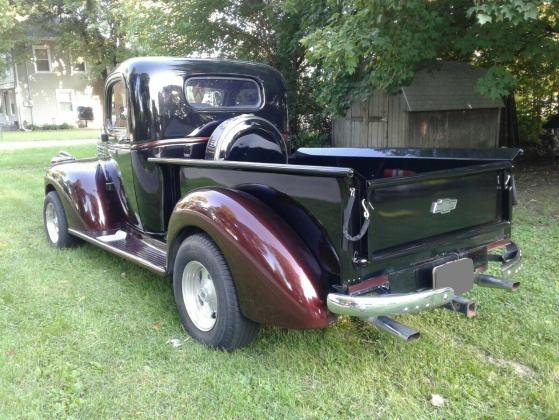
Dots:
(46, 87)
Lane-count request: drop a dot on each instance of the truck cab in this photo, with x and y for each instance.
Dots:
(195, 179)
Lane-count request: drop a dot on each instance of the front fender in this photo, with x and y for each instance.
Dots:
(276, 276)
(91, 192)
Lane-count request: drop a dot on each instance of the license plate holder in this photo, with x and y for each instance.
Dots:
(458, 274)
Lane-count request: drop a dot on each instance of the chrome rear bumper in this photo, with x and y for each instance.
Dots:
(389, 304)
(511, 260)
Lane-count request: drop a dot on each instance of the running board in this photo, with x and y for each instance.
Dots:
(129, 247)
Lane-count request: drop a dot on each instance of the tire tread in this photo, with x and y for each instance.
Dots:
(65, 239)
(239, 331)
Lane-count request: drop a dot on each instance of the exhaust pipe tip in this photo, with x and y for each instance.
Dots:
(486, 280)
(413, 337)
(395, 328)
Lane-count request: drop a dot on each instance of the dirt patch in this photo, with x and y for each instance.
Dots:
(519, 368)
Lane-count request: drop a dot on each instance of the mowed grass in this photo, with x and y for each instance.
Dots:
(39, 135)
(86, 334)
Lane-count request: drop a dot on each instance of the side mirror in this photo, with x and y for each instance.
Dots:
(104, 138)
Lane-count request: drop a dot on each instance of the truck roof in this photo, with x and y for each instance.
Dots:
(195, 64)
(160, 110)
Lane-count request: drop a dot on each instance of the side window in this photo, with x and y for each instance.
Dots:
(118, 107)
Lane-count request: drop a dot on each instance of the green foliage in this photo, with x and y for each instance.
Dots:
(514, 11)
(93, 30)
(497, 83)
(363, 46)
(521, 47)
(258, 30)
(9, 31)
(50, 127)
(360, 46)
(331, 53)
(7, 24)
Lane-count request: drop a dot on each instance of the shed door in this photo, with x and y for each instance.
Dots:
(364, 125)
(376, 118)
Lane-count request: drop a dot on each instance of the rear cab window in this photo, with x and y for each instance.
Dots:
(223, 93)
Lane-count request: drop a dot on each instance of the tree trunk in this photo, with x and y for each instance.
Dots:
(509, 124)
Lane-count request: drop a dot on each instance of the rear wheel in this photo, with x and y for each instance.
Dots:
(206, 297)
(56, 223)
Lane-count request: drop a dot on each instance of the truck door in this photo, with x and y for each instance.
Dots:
(117, 127)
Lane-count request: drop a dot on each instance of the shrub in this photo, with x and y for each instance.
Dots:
(63, 126)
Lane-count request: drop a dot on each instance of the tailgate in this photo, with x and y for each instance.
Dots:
(414, 208)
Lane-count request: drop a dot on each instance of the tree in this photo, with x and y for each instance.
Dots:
(9, 31)
(93, 30)
(363, 45)
(257, 30)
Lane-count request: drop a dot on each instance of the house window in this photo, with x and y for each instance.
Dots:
(64, 99)
(78, 65)
(41, 56)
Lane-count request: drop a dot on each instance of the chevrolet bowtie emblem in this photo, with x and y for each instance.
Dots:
(443, 205)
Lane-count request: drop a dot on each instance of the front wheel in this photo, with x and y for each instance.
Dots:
(56, 223)
(206, 297)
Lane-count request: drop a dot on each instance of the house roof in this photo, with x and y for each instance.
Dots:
(448, 86)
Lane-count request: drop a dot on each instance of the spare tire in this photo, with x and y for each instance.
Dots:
(247, 138)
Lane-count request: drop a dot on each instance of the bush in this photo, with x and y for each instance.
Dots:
(312, 139)
(63, 126)
(545, 148)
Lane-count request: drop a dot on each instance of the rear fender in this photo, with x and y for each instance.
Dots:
(307, 227)
(276, 276)
(92, 194)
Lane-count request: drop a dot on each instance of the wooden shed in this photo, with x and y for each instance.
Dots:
(442, 107)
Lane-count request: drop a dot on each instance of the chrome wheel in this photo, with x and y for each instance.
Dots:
(199, 296)
(51, 221)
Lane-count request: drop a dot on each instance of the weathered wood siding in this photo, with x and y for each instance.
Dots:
(380, 122)
(475, 128)
(384, 121)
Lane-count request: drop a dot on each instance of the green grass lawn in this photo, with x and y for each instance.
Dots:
(86, 334)
(38, 135)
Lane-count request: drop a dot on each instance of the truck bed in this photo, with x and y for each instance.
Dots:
(399, 187)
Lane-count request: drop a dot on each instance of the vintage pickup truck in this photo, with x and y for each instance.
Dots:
(194, 178)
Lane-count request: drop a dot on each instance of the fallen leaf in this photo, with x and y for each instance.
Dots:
(175, 342)
(437, 400)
